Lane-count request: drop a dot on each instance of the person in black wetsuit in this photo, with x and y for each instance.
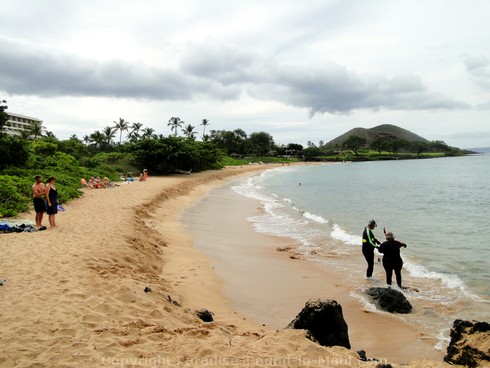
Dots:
(392, 261)
(369, 244)
(52, 200)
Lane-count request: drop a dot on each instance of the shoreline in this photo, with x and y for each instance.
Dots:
(76, 296)
(271, 288)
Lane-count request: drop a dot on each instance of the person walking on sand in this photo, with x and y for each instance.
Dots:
(38, 194)
(392, 261)
(369, 244)
(52, 199)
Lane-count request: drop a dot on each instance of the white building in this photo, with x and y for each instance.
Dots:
(18, 123)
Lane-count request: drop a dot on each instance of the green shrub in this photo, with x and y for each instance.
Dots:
(15, 195)
(13, 151)
(167, 154)
(111, 165)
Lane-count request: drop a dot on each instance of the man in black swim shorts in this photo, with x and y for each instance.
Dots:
(38, 194)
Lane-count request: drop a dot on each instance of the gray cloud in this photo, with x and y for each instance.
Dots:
(217, 71)
(31, 71)
(320, 89)
(336, 90)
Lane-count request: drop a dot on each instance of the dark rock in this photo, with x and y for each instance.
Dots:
(205, 315)
(362, 355)
(324, 323)
(390, 300)
(147, 289)
(469, 344)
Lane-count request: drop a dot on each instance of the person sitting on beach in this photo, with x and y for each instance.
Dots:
(99, 182)
(369, 244)
(38, 194)
(145, 174)
(84, 183)
(392, 261)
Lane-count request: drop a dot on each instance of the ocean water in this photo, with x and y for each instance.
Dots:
(439, 207)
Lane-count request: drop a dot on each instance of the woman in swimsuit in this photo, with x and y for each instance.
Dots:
(52, 200)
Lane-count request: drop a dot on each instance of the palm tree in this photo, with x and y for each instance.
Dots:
(175, 123)
(135, 131)
(189, 131)
(109, 134)
(205, 123)
(36, 129)
(148, 133)
(97, 138)
(86, 139)
(122, 126)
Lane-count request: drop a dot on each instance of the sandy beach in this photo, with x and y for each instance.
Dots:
(75, 295)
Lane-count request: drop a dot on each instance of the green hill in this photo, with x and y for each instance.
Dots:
(384, 130)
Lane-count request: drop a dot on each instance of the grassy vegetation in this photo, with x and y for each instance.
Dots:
(231, 161)
(370, 155)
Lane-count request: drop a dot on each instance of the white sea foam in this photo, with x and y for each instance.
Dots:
(280, 225)
(450, 281)
(368, 306)
(340, 234)
(443, 339)
(315, 218)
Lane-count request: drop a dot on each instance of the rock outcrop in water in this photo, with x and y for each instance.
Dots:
(390, 300)
(470, 344)
(324, 322)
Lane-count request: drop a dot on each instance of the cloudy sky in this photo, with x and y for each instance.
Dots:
(300, 70)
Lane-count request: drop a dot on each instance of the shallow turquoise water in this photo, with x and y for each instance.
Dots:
(439, 207)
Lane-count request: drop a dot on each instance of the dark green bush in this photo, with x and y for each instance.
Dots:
(167, 154)
(15, 195)
(13, 151)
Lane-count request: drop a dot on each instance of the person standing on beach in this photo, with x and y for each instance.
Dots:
(52, 199)
(392, 261)
(369, 244)
(38, 194)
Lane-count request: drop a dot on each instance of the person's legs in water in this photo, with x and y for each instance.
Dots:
(398, 273)
(389, 271)
(369, 256)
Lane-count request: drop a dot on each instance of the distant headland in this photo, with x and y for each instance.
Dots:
(385, 142)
